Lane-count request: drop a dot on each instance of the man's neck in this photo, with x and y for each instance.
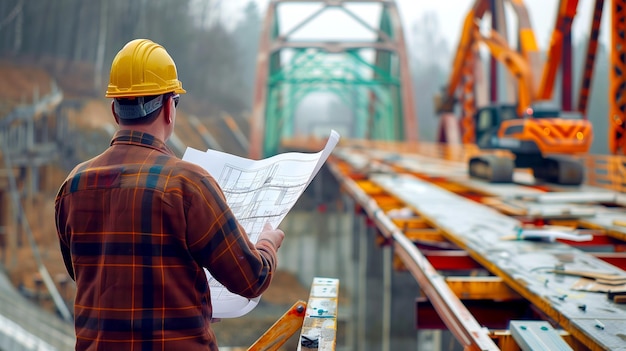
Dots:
(149, 129)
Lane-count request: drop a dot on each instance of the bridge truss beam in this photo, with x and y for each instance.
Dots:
(377, 90)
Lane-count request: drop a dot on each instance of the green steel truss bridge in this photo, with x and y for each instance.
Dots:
(368, 72)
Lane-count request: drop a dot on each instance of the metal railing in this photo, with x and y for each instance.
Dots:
(608, 171)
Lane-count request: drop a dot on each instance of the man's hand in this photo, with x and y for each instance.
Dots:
(275, 236)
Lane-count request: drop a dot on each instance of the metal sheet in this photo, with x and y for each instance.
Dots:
(537, 335)
(573, 197)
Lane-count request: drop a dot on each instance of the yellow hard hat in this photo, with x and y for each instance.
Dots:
(143, 68)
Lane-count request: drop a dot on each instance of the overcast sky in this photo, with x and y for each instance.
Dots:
(451, 14)
(542, 16)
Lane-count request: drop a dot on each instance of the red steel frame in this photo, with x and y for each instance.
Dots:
(617, 79)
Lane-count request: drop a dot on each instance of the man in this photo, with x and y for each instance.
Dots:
(136, 225)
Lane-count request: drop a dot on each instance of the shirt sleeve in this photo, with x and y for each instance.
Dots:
(219, 243)
(63, 240)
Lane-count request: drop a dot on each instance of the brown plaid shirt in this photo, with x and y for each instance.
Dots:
(136, 225)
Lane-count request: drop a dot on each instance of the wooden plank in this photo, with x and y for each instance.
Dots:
(609, 222)
(427, 235)
(504, 207)
(409, 223)
(319, 330)
(619, 223)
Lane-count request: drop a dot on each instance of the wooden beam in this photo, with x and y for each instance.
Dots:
(282, 329)
(406, 224)
(429, 234)
(481, 288)
(319, 331)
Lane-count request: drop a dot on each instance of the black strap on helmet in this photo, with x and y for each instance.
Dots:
(136, 107)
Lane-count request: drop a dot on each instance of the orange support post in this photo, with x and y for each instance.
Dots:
(592, 48)
(562, 29)
(617, 79)
(282, 330)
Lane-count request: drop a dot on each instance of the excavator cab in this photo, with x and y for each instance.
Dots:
(488, 120)
(543, 140)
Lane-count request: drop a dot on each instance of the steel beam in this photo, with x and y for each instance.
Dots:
(257, 120)
(454, 314)
(588, 67)
(490, 314)
(331, 46)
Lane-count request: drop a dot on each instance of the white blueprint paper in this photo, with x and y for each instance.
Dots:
(258, 192)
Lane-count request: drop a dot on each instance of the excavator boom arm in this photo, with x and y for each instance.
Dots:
(515, 63)
(464, 49)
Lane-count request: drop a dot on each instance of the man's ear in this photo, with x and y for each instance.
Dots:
(167, 110)
(117, 120)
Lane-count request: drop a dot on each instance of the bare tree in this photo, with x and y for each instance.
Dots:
(213, 61)
(430, 60)
(78, 31)
(102, 37)
(16, 16)
(427, 44)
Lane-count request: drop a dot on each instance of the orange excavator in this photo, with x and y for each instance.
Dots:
(535, 133)
(541, 139)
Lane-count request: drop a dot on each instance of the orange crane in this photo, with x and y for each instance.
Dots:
(536, 134)
(617, 75)
(617, 79)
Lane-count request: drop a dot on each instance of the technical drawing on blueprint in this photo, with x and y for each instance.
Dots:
(258, 192)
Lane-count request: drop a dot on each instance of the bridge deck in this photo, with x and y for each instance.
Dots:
(525, 266)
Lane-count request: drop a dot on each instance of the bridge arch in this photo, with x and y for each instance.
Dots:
(370, 76)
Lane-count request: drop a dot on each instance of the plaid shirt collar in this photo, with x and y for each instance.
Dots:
(131, 137)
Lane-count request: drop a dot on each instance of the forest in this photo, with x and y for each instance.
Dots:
(215, 64)
(215, 55)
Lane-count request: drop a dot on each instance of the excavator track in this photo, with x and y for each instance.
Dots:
(561, 170)
(492, 168)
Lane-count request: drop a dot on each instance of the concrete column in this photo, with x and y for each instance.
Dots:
(359, 257)
(372, 261)
(30, 134)
(387, 257)
(354, 254)
(405, 291)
